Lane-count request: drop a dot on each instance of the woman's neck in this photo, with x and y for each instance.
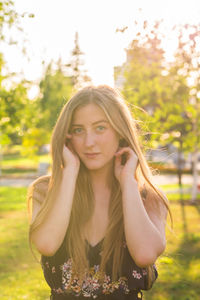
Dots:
(102, 179)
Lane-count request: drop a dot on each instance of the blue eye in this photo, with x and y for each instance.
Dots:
(101, 128)
(77, 130)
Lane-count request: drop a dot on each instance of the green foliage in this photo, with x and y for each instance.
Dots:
(13, 116)
(56, 89)
(168, 94)
(33, 140)
(145, 86)
(187, 63)
(13, 102)
(8, 16)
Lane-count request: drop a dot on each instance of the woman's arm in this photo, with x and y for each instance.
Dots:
(144, 225)
(50, 234)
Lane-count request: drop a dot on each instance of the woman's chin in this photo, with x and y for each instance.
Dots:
(95, 166)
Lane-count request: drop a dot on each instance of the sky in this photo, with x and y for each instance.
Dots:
(50, 34)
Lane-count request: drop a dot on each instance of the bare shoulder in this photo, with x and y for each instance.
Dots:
(38, 189)
(36, 195)
(154, 205)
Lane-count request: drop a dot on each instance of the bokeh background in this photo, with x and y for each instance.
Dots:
(150, 51)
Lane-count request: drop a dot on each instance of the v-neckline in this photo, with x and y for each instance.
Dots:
(95, 244)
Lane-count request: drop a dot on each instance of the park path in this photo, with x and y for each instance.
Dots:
(159, 179)
(16, 182)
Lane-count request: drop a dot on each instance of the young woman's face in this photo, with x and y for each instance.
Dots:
(93, 138)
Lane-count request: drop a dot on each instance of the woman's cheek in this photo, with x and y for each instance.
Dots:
(76, 143)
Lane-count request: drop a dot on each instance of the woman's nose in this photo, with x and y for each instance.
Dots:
(89, 139)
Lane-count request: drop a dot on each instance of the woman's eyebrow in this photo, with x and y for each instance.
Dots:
(100, 121)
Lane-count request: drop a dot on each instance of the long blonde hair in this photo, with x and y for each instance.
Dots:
(120, 118)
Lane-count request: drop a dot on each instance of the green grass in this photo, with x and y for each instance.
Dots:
(21, 276)
(179, 267)
(173, 186)
(15, 164)
(18, 160)
(176, 197)
(12, 199)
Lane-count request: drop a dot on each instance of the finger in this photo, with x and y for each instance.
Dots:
(126, 150)
(123, 150)
(118, 161)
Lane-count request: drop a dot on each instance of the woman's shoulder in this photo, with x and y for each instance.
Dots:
(155, 201)
(38, 188)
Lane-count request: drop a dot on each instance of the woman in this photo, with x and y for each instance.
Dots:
(98, 221)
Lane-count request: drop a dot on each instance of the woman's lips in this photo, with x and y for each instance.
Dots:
(91, 155)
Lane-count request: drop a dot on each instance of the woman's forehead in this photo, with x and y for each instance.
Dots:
(89, 113)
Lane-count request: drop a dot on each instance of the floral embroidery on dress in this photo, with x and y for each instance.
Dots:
(58, 291)
(91, 285)
(136, 274)
(144, 272)
(47, 264)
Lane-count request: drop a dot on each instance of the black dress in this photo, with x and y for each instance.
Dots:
(57, 271)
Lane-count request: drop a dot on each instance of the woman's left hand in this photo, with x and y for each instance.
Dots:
(126, 170)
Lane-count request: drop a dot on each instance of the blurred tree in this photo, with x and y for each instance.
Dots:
(33, 135)
(13, 118)
(8, 16)
(173, 116)
(76, 66)
(13, 101)
(58, 85)
(144, 84)
(160, 89)
(182, 113)
(56, 88)
(188, 64)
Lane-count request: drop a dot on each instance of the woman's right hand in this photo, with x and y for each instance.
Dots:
(71, 159)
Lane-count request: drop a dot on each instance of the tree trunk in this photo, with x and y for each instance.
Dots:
(195, 177)
(180, 166)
